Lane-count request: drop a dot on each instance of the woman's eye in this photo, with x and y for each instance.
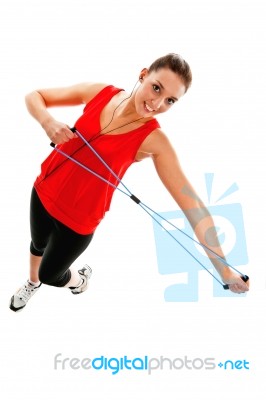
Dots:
(170, 101)
(156, 88)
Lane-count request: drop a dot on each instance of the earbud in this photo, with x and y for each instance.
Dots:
(141, 78)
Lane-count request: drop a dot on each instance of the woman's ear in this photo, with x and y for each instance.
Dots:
(143, 73)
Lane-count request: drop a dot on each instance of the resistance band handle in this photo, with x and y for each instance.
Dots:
(244, 278)
(134, 198)
(72, 130)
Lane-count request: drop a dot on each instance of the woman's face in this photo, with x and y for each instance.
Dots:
(158, 92)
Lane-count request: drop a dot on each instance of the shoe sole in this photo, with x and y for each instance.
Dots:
(14, 308)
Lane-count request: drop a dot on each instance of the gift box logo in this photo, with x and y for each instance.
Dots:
(173, 259)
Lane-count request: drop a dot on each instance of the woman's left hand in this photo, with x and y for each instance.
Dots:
(234, 280)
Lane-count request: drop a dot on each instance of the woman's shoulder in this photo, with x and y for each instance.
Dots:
(90, 90)
(156, 142)
(158, 136)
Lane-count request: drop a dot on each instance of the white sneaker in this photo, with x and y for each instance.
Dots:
(85, 274)
(22, 296)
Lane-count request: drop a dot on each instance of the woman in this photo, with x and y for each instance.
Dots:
(68, 203)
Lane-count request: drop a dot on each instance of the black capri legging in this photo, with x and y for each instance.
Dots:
(58, 245)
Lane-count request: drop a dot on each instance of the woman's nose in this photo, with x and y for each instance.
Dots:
(156, 103)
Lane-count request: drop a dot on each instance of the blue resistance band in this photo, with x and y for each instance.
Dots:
(146, 208)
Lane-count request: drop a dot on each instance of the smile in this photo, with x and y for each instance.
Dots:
(149, 109)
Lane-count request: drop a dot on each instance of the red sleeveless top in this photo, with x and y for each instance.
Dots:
(73, 195)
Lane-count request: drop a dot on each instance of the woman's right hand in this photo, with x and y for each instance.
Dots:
(58, 132)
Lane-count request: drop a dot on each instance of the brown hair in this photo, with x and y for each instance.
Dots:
(176, 64)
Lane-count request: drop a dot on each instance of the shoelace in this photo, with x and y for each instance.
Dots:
(26, 292)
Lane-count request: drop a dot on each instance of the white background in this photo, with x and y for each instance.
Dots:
(217, 127)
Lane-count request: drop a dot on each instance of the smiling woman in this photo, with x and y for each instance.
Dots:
(123, 129)
(162, 89)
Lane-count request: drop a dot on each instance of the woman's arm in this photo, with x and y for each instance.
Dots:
(38, 101)
(174, 179)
